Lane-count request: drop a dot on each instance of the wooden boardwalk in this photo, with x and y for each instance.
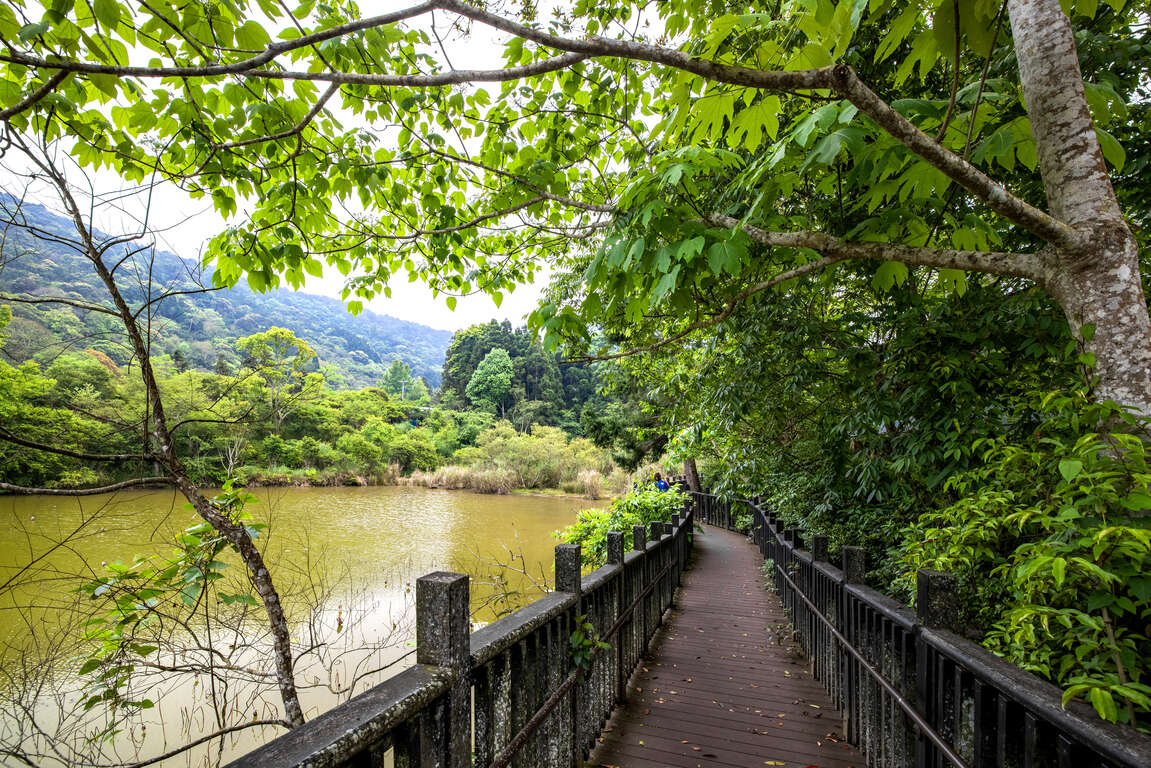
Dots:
(722, 685)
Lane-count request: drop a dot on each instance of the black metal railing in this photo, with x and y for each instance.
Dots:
(911, 690)
(508, 694)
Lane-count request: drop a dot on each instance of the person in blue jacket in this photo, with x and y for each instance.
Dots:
(660, 483)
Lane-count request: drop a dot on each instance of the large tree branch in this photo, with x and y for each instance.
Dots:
(840, 79)
(1031, 266)
(46, 88)
(59, 300)
(975, 181)
(11, 438)
(835, 250)
(450, 77)
(135, 482)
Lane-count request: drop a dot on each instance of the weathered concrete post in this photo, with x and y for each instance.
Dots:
(568, 568)
(614, 548)
(639, 613)
(443, 628)
(937, 599)
(854, 565)
(568, 580)
(854, 572)
(819, 548)
(936, 607)
(615, 557)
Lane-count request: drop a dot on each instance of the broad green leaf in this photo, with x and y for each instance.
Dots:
(107, 12)
(1113, 151)
(1070, 468)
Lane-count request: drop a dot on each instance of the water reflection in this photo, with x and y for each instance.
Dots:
(347, 556)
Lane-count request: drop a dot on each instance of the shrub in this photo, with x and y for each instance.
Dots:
(639, 507)
(1052, 545)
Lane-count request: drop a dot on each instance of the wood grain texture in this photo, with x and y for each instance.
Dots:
(723, 685)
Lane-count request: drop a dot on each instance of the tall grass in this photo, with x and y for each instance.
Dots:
(455, 477)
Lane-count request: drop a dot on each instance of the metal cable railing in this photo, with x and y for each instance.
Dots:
(911, 690)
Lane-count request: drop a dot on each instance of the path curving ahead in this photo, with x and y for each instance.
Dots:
(722, 685)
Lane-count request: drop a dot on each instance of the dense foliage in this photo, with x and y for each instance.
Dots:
(1051, 539)
(274, 421)
(641, 506)
(541, 389)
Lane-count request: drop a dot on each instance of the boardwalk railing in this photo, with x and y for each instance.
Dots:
(509, 693)
(913, 692)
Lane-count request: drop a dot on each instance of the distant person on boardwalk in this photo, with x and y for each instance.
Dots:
(660, 483)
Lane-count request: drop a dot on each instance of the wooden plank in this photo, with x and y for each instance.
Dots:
(722, 684)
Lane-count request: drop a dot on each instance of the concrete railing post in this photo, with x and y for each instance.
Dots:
(854, 565)
(568, 568)
(638, 538)
(936, 607)
(819, 548)
(568, 579)
(615, 547)
(937, 599)
(443, 629)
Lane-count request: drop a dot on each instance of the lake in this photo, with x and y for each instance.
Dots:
(345, 561)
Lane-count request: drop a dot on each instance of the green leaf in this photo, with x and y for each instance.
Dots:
(252, 36)
(889, 274)
(107, 12)
(1112, 150)
(1070, 468)
(1104, 704)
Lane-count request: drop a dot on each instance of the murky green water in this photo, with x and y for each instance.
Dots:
(345, 561)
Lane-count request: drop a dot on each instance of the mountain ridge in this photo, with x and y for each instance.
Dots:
(199, 330)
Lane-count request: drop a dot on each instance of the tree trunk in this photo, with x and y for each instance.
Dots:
(1098, 283)
(692, 474)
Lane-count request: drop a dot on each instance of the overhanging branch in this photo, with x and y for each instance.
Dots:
(133, 483)
(840, 79)
(1031, 266)
(11, 438)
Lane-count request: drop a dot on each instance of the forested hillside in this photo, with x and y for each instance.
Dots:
(198, 330)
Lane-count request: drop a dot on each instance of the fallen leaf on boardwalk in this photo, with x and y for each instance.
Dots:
(684, 741)
(781, 715)
(647, 711)
(773, 762)
(697, 749)
(641, 743)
